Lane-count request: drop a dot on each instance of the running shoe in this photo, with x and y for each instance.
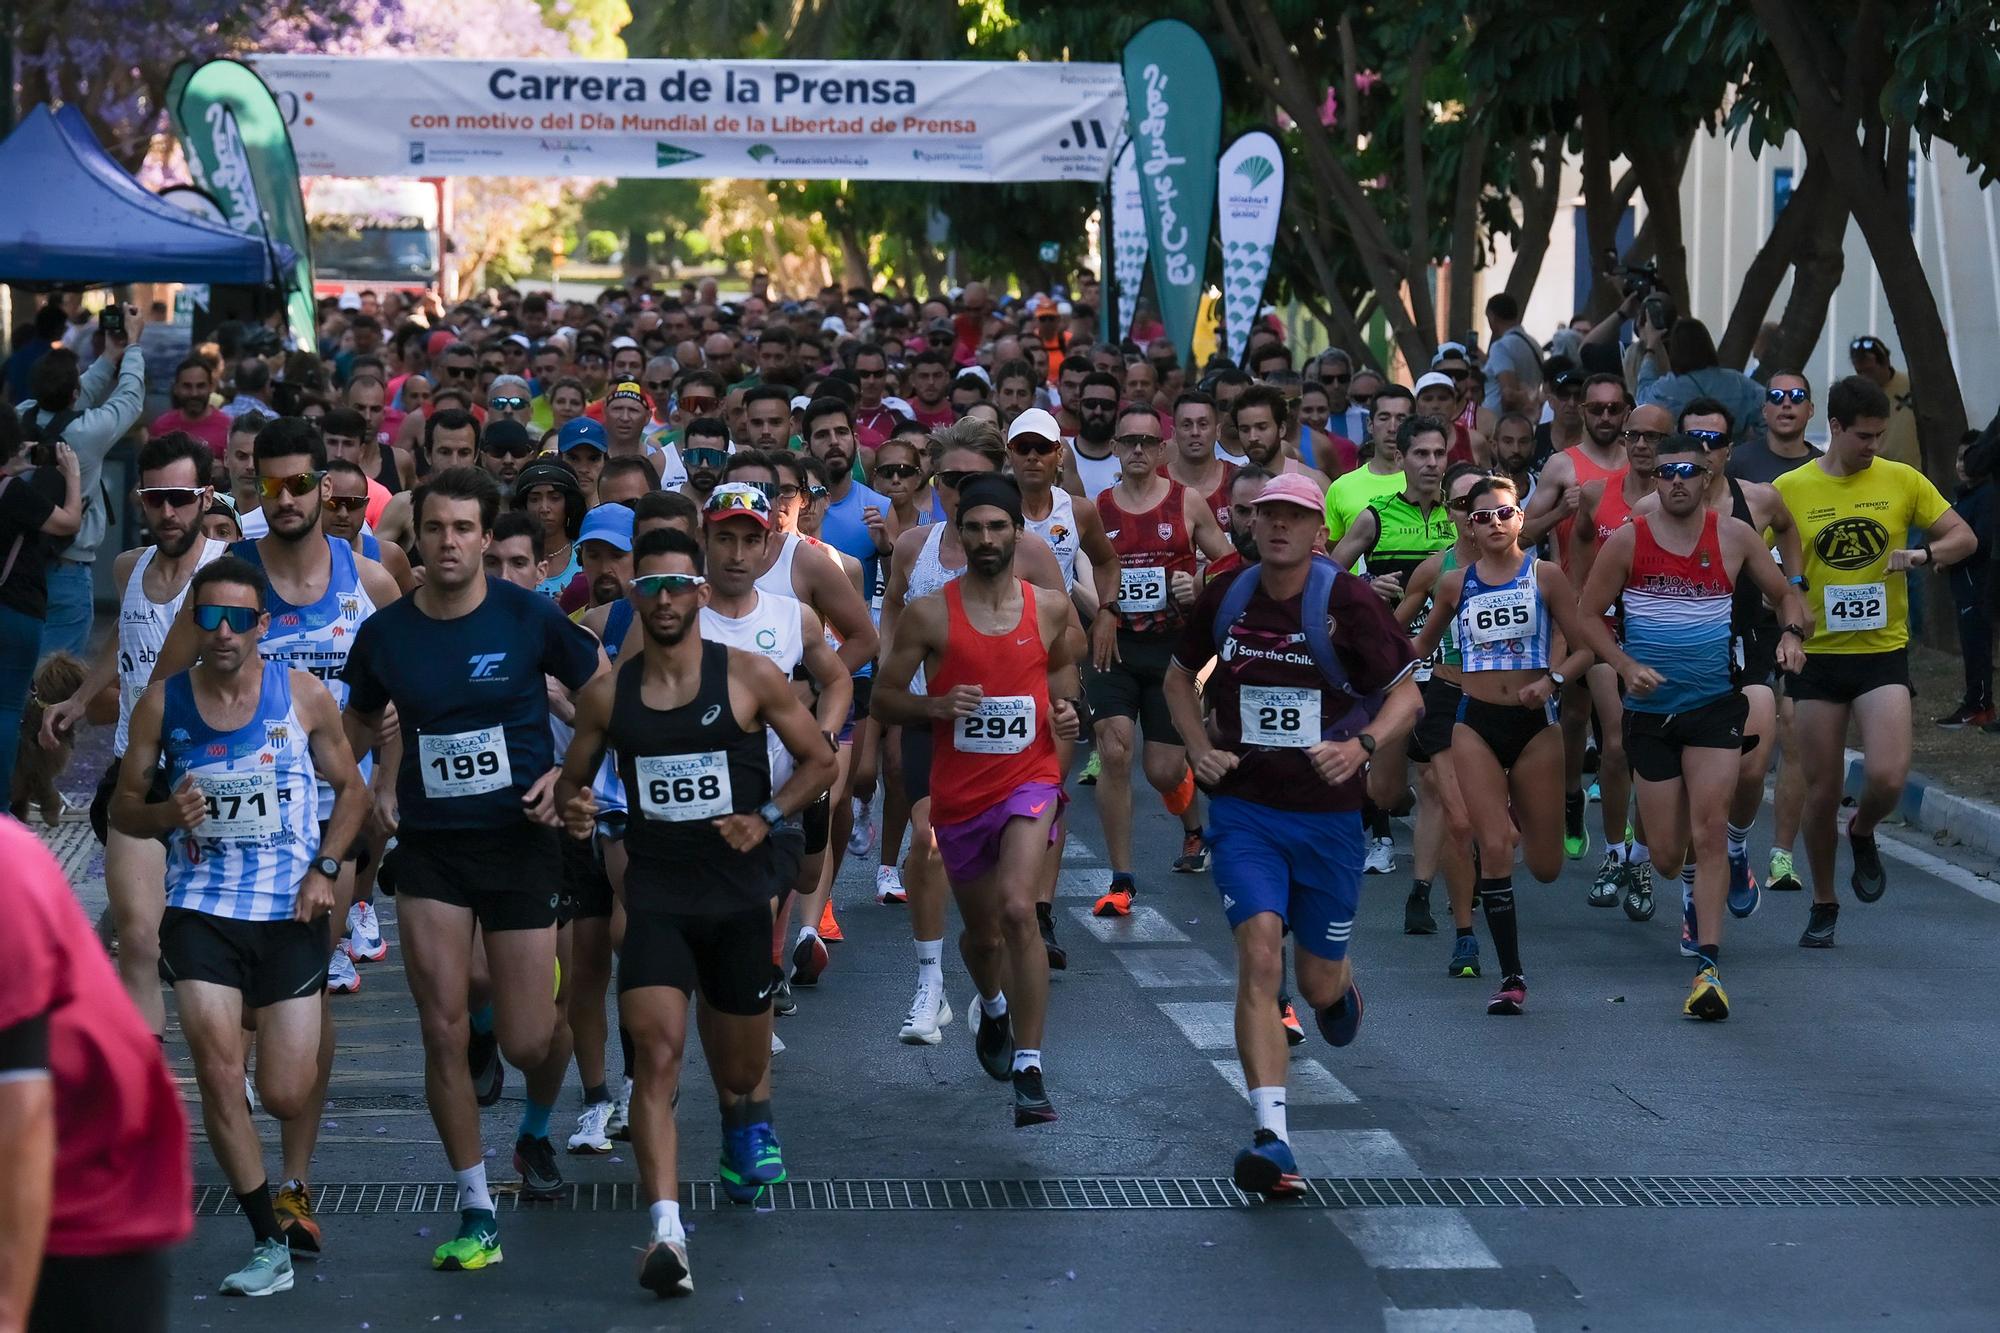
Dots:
(1464, 957)
(777, 1045)
(591, 1130)
(1639, 890)
(809, 959)
(929, 1012)
(1045, 918)
(783, 1003)
(1744, 895)
(535, 1159)
(829, 929)
(1966, 715)
(489, 1071)
(1783, 879)
(1820, 923)
(1511, 998)
(296, 1223)
(1381, 857)
(663, 1268)
(1417, 918)
(1610, 881)
(1288, 1018)
(1116, 901)
(268, 1272)
(1593, 794)
(992, 1040)
(1091, 767)
(364, 935)
(862, 840)
(1869, 881)
(477, 1244)
(1268, 1167)
(1193, 859)
(341, 978)
(1576, 838)
(1707, 1000)
(751, 1162)
(889, 889)
(1031, 1101)
(619, 1126)
(1340, 1026)
(1690, 928)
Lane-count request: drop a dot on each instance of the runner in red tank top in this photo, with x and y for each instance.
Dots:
(989, 644)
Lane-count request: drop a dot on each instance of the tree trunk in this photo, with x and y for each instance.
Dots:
(853, 256)
(1601, 210)
(1786, 244)
(1538, 219)
(1816, 277)
(1659, 169)
(1467, 190)
(638, 249)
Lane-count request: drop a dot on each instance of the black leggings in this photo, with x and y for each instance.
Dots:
(127, 1292)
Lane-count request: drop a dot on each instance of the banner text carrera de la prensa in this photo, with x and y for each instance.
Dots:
(737, 88)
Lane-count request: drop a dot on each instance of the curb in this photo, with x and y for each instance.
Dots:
(1929, 807)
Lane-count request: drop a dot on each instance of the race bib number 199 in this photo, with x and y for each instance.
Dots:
(466, 763)
(680, 787)
(1857, 606)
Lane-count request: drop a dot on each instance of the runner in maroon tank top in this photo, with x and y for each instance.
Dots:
(989, 643)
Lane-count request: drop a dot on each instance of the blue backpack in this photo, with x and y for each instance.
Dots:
(1362, 708)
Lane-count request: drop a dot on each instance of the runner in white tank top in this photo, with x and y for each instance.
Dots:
(142, 628)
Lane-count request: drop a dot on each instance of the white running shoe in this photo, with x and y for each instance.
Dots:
(590, 1133)
(777, 1044)
(364, 935)
(929, 1013)
(618, 1124)
(249, 1092)
(862, 840)
(889, 889)
(1381, 857)
(341, 978)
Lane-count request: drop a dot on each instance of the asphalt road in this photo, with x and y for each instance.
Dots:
(1618, 1143)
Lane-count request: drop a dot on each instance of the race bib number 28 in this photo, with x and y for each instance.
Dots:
(1857, 606)
(1279, 718)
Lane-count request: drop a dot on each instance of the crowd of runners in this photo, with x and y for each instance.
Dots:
(601, 634)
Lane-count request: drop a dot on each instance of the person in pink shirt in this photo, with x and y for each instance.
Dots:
(194, 411)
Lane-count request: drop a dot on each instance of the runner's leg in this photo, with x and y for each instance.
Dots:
(1820, 736)
(1115, 738)
(135, 876)
(437, 950)
(1883, 718)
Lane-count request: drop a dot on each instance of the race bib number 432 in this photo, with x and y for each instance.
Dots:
(465, 763)
(1857, 606)
(1002, 724)
(682, 787)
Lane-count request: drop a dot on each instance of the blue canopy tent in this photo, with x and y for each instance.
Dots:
(75, 218)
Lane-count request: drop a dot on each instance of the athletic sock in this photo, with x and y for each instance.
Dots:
(482, 1019)
(256, 1205)
(625, 1049)
(1739, 839)
(1462, 932)
(1045, 912)
(1027, 1057)
(930, 962)
(667, 1220)
(1269, 1105)
(742, 1114)
(1498, 896)
(1636, 854)
(1617, 851)
(1711, 955)
(1121, 877)
(596, 1092)
(1182, 796)
(534, 1120)
(472, 1188)
(995, 1007)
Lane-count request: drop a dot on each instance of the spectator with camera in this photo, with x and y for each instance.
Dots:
(89, 411)
(1680, 365)
(36, 502)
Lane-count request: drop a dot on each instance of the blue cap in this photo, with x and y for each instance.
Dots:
(583, 431)
(611, 524)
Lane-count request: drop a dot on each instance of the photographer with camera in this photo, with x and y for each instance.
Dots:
(89, 411)
(1680, 365)
(35, 502)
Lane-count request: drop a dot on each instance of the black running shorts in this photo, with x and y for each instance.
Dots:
(100, 804)
(586, 888)
(511, 878)
(1654, 741)
(267, 961)
(1432, 734)
(727, 956)
(1135, 685)
(1842, 678)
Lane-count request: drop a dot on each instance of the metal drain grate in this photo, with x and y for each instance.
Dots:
(1090, 1193)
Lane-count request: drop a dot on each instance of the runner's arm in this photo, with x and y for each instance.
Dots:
(1560, 598)
(102, 673)
(1184, 706)
(393, 528)
(397, 565)
(1552, 500)
(130, 813)
(1417, 589)
(836, 686)
(1444, 605)
(380, 584)
(28, 1128)
(1950, 539)
(1600, 589)
(893, 705)
(1741, 539)
(1358, 540)
(1094, 558)
(814, 763)
(1209, 537)
(846, 610)
(333, 761)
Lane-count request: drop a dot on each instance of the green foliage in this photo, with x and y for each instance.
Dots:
(600, 246)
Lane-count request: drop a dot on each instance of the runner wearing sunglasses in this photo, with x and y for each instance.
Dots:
(346, 505)
(690, 722)
(1503, 608)
(704, 449)
(250, 876)
(1674, 571)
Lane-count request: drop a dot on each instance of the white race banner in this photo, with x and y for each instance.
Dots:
(944, 120)
(1128, 232)
(1249, 189)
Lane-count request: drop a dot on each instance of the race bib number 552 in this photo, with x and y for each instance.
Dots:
(1142, 589)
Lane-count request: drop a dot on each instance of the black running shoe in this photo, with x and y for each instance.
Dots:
(489, 1072)
(1820, 926)
(992, 1040)
(1417, 918)
(1031, 1102)
(1869, 881)
(535, 1159)
(782, 1003)
(1058, 956)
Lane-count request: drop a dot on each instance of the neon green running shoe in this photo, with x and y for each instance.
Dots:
(1091, 767)
(1576, 838)
(477, 1244)
(1783, 878)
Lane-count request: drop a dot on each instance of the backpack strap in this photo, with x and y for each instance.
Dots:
(1320, 577)
(1235, 601)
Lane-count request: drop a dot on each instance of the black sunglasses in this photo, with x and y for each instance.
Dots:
(1032, 444)
(168, 497)
(706, 458)
(513, 449)
(507, 404)
(897, 471)
(1710, 439)
(1775, 396)
(955, 480)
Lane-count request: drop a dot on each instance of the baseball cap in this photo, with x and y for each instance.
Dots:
(350, 301)
(622, 341)
(801, 402)
(1042, 305)
(735, 499)
(506, 435)
(627, 389)
(1448, 349)
(1034, 422)
(833, 324)
(1434, 379)
(517, 339)
(1291, 489)
(610, 524)
(583, 431)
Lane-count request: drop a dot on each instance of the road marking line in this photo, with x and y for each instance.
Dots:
(1307, 1084)
(1076, 849)
(1457, 1321)
(1937, 867)
(1173, 967)
(1144, 926)
(1209, 1025)
(1089, 884)
(1351, 1152)
(1406, 1238)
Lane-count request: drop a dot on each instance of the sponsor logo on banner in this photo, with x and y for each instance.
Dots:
(666, 154)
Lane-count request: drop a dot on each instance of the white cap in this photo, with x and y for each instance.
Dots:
(518, 339)
(1435, 379)
(895, 404)
(350, 301)
(833, 324)
(978, 373)
(1448, 349)
(799, 403)
(1034, 422)
(622, 341)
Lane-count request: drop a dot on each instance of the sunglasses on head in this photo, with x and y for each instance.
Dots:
(1710, 439)
(708, 458)
(737, 500)
(346, 504)
(299, 483)
(210, 618)
(1138, 441)
(1681, 469)
(1864, 344)
(897, 471)
(168, 497)
(507, 404)
(1497, 514)
(1032, 444)
(652, 585)
(1775, 396)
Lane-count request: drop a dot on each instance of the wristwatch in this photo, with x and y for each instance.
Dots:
(771, 813)
(1558, 678)
(328, 866)
(1366, 742)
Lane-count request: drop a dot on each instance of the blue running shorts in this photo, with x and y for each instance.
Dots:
(1304, 866)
